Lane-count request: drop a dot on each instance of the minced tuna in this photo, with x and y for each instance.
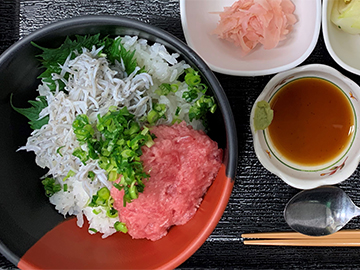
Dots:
(182, 164)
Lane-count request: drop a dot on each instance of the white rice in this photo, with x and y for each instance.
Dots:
(93, 86)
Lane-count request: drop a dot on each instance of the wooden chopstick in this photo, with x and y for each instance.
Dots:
(296, 235)
(349, 238)
(306, 243)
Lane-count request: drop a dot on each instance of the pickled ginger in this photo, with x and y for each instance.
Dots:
(248, 23)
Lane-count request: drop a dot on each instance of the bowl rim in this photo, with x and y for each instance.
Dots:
(231, 151)
(295, 182)
(268, 71)
(325, 26)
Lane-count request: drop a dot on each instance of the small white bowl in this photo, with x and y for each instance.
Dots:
(303, 177)
(198, 22)
(344, 48)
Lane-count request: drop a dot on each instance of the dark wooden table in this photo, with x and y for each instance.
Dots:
(258, 198)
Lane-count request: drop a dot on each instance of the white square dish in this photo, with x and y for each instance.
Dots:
(344, 48)
(200, 17)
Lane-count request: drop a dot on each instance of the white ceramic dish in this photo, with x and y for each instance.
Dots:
(301, 177)
(198, 21)
(343, 47)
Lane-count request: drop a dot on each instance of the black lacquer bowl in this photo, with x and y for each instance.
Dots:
(33, 234)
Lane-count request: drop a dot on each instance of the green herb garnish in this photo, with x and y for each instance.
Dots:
(91, 175)
(200, 105)
(69, 174)
(114, 50)
(120, 227)
(51, 58)
(118, 149)
(82, 128)
(165, 88)
(112, 213)
(204, 104)
(193, 80)
(103, 199)
(58, 150)
(156, 113)
(178, 110)
(50, 187)
(33, 112)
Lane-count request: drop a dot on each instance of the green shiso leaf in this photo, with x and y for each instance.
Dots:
(33, 112)
(114, 50)
(52, 57)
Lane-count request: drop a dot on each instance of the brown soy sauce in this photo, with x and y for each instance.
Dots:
(313, 121)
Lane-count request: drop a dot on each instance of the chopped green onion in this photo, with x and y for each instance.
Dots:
(134, 128)
(93, 202)
(149, 143)
(102, 198)
(160, 108)
(192, 78)
(177, 112)
(156, 113)
(50, 187)
(145, 131)
(112, 176)
(165, 88)
(91, 175)
(118, 150)
(201, 107)
(127, 153)
(174, 87)
(82, 129)
(120, 227)
(69, 174)
(100, 201)
(110, 202)
(117, 186)
(190, 95)
(133, 191)
(58, 150)
(112, 212)
(202, 88)
(81, 154)
(104, 193)
(202, 104)
(152, 117)
(65, 187)
(176, 121)
(93, 230)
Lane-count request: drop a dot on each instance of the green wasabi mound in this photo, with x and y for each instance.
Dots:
(263, 115)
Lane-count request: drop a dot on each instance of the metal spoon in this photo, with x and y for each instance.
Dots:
(320, 211)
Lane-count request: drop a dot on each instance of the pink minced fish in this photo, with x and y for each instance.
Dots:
(182, 163)
(249, 22)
